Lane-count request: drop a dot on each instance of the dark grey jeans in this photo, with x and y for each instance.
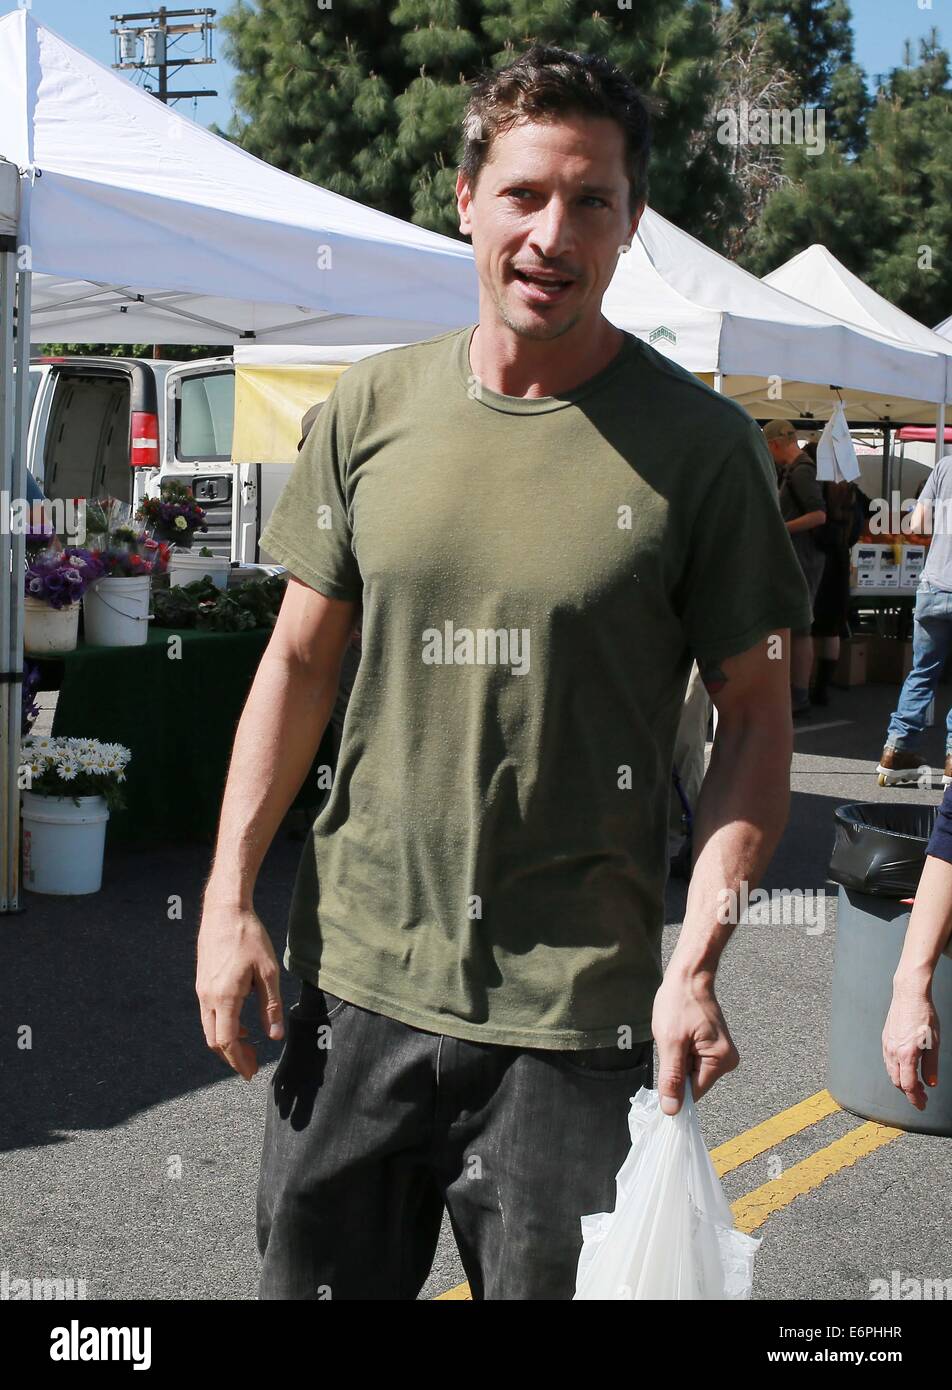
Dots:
(373, 1127)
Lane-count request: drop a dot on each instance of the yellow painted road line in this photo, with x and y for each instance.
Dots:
(755, 1141)
(461, 1291)
(752, 1211)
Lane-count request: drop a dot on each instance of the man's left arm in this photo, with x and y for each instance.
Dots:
(739, 819)
(809, 495)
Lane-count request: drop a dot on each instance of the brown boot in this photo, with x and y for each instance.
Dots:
(898, 766)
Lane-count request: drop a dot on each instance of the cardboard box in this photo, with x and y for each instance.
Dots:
(888, 661)
(866, 557)
(913, 560)
(874, 566)
(851, 667)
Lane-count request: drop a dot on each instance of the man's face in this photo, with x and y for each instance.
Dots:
(784, 448)
(547, 218)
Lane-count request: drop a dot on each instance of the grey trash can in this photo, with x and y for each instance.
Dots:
(877, 858)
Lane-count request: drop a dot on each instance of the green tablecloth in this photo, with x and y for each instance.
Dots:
(177, 716)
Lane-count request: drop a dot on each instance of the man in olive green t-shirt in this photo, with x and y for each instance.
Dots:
(546, 521)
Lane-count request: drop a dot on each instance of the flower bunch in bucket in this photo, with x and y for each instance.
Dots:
(60, 575)
(174, 516)
(54, 582)
(123, 550)
(75, 767)
(72, 785)
(116, 608)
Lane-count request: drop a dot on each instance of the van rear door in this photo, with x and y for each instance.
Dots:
(86, 449)
(200, 404)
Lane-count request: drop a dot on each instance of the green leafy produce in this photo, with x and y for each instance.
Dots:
(201, 604)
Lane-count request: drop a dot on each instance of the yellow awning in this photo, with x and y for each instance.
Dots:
(269, 404)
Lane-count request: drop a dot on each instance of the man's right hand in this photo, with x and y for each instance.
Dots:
(235, 956)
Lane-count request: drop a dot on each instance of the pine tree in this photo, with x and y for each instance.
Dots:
(366, 100)
(887, 214)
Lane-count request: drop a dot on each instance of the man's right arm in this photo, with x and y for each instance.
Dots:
(278, 735)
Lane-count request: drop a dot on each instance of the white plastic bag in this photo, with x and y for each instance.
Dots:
(672, 1233)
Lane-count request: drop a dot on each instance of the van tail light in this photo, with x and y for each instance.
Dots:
(145, 440)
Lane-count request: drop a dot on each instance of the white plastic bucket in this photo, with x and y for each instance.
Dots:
(47, 629)
(185, 566)
(117, 612)
(63, 843)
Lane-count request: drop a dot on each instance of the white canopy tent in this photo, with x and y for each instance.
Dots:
(771, 352)
(146, 227)
(819, 279)
(944, 329)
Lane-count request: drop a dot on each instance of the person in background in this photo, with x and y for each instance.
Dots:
(351, 658)
(901, 758)
(689, 745)
(831, 607)
(911, 1031)
(803, 509)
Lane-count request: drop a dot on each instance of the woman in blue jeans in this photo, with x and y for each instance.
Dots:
(911, 1032)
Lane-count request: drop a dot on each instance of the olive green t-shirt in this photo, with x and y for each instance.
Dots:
(536, 576)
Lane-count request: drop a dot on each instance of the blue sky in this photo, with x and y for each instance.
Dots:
(880, 26)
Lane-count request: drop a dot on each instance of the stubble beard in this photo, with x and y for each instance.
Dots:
(539, 331)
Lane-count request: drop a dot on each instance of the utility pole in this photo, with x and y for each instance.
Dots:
(155, 36)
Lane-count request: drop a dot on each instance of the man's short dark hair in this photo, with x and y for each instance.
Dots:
(545, 83)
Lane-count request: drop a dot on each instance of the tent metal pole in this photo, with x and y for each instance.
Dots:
(939, 432)
(8, 701)
(21, 430)
(15, 470)
(887, 440)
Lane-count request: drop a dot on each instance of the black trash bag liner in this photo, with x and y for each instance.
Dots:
(881, 849)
